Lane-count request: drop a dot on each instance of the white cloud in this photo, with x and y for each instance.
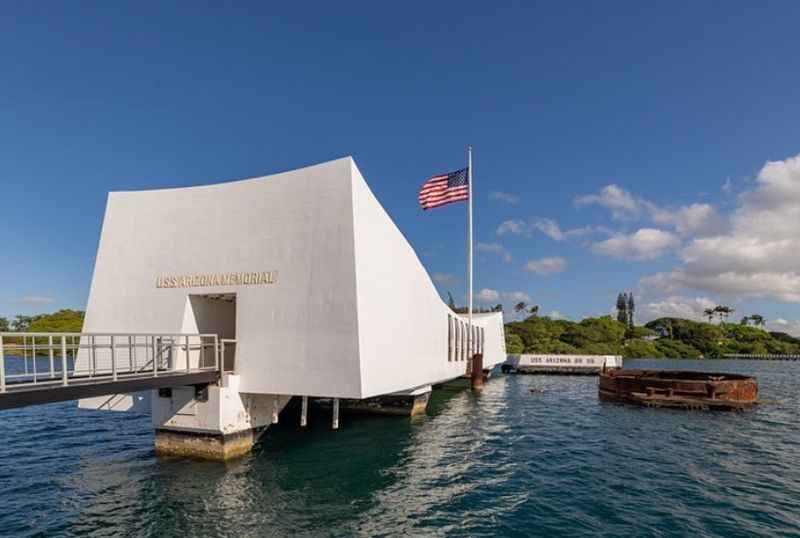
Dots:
(695, 219)
(516, 296)
(621, 203)
(495, 248)
(546, 266)
(784, 326)
(676, 306)
(504, 197)
(446, 279)
(555, 314)
(37, 300)
(548, 227)
(727, 186)
(551, 229)
(645, 244)
(490, 296)
(759, 256)
(514, 227)
(487, 295)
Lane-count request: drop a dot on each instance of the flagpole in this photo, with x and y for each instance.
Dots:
(469, 248)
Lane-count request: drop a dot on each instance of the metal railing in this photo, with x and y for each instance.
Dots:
(227, 347)
(103, 356)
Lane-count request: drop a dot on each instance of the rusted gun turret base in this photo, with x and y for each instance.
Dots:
(680, 389)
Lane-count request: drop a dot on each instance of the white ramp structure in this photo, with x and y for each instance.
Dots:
(304, 273)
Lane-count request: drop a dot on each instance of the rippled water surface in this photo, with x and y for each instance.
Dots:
(510, 462)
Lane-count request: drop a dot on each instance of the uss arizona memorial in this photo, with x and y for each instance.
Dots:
(305, 283)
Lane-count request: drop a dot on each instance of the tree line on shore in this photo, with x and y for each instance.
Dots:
(661, 338)
(63, 321)
(666, 337)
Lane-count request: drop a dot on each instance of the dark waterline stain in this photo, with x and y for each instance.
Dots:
(506, 463)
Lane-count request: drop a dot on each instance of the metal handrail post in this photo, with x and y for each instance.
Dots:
(155, 356)
(217, 364)
(52, 366)
(33, 353)
(64, 360)
(131, 355)
(93, 350)
(2, 366)
(113, 360)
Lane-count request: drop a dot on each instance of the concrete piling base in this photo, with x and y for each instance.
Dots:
(213, 422)
(408, 405)
(207, 446)
(477, 373)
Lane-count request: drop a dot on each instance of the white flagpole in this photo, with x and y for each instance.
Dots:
(469, 248)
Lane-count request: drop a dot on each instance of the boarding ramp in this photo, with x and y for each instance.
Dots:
(38, 368)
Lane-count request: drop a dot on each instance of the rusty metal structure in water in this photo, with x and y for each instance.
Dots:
(679, 389)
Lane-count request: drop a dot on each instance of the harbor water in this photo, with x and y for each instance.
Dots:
(531, 456)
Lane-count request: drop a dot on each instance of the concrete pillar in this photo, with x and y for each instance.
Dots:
(217, 423)
(477, 372)
(411, 403)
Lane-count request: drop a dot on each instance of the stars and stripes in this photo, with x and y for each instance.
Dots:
(445, 189)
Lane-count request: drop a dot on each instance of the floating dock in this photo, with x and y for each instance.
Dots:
(560, 364)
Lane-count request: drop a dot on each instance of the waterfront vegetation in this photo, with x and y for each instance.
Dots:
(660, 338)
(63, 321)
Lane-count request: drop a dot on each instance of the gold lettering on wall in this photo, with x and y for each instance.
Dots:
(219, 279)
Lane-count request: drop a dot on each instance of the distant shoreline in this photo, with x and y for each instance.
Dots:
(663, 338)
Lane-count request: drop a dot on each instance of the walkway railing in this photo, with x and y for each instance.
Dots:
(49, 359)
(768, 357)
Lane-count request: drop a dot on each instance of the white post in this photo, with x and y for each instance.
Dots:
(335, 424)
(188, 366)
(2, 367)
(469, 249)
(52, 366)
(64, 360)
(304, 413)
(113, 359)
(275, 410)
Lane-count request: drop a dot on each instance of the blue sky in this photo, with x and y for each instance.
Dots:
(642, 130)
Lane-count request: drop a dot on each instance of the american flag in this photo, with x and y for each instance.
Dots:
(444, 189)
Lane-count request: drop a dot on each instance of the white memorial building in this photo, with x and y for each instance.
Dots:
(305, 270)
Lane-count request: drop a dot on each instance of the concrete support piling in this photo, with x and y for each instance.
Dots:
(477, 372)
(335, 424)
(222, 425)
(304, 412)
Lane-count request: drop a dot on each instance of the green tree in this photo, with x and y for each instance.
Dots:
(451, 302)
(642, 349)
(63, 321)
(723, 312)
(497, 308)
(520, 306)
(22, 323)
(745, 321)
(758, 320)
(622, 308)
(631, 310)
(5, 326)
(710, 313)
(514, 344)
(534, 310)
